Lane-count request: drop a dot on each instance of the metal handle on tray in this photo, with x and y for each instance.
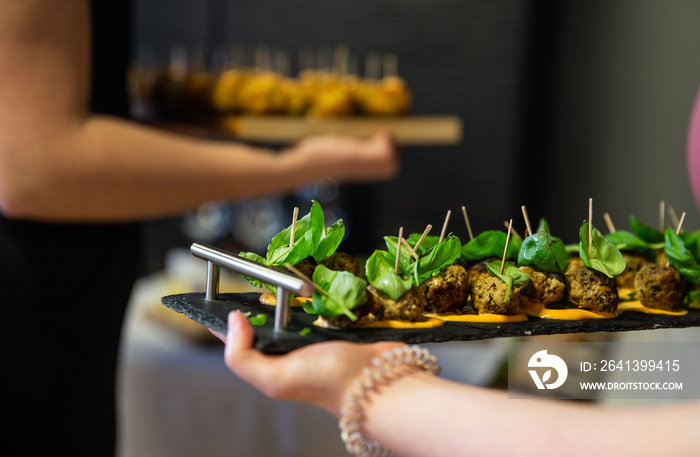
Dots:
(284, 282)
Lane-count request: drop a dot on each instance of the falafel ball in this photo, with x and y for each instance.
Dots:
(342, 321)
(634, 263)
(474, 269)
(489, 292)
(409, 307)
(306, 266)
(543, 289)
(341, 261)
(660, 287)
(446, 292)
(591, 289)
(573, 261)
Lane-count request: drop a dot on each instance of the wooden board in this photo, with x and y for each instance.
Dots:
(408, 131)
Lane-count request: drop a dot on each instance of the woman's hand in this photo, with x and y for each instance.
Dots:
(319, 374)
(347, 158)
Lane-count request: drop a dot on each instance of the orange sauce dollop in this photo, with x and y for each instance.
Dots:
(370, 323)
(636, 305)
(480, 318)
(569, 314)
(269, 298)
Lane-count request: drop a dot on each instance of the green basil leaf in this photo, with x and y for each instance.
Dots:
(253, 257)
(544, 252)
(280, 252)
(425, 245)
(345, 292)
(406, 260)
(543, 227)
(309, 239)
(290, 254)
(692, 243)
(572, 248)
(511, 275)
(628, 241)
(605, 257)
(645, 232)
(490, 243)
(257, 259)
(316, 222)
(380, 273)
(430, 261)
(681, 258)
(329, 243)
(440, 255)
(692, 298)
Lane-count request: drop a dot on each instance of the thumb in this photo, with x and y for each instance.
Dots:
(239, 335)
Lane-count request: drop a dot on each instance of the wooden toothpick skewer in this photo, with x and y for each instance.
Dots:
(590, 228)
(678, 232)
(505, 251)
(466, 219)
(410, 249)
(444, 226)
(662, 216)
(674, 216)
(527, 221)
(428, 228)
(680, 224)
(515, 232)
(294, 226)
(609, 223)
(398, 251)
(296, 271)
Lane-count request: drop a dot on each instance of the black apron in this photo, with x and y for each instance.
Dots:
(63, 292)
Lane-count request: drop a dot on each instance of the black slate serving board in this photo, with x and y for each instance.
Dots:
(213, 314)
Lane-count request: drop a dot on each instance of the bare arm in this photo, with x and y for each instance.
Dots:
(420, 415)
(60, 162)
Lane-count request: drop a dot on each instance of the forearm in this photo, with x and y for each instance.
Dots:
(416, 414)
(419, 415)
(140, 171)
(110, 169)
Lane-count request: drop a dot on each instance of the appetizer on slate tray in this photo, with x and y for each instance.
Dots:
(635, 251)
(663, 286)
(591, 277)
(432, 268)
(497, 291)
(390, 305)
(339, 299)
(393, 294)
(390, 300)
(486, 247)
(543, 258)
(305, 244)
(421, 279)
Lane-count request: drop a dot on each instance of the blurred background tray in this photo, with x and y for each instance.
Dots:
(407, 130)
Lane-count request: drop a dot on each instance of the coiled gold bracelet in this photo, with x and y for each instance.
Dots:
(352, 414)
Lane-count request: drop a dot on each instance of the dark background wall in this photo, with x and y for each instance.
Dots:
(627, 75)
(560, 101)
